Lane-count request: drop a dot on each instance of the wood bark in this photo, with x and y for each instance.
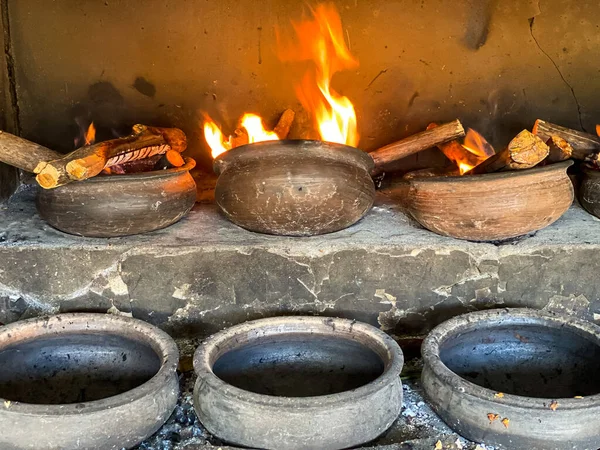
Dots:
(525, 151)
(23, 154)
(560, 150)
(282, 129)
(391, 153)
(585, 145)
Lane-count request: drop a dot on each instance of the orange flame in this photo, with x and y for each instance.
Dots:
(251, 123)
(321, 43)
(90, 135)
(477, 151)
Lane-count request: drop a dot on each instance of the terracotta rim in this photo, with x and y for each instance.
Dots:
(558, 167)
(189, 165)
(379, 342)
(470, 321)
(318, 149)
(81, 323)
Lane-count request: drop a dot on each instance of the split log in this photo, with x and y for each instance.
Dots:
(525, 151)
(585, 145)
(87, 162)
(385, 156)
(454, 151)
(282, 129)
(560, 150)
(23, 154)
(169, 160)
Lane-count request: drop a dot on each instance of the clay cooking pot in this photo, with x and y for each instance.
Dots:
(491, 206)
(294, 188)
(120, 205)
(589, 191)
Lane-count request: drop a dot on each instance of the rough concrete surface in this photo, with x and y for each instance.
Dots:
(205, 273)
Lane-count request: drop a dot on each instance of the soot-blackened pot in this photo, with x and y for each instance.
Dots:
(298, 383)
(516, 378)
(120, 205)
(294, 188)
(84, 381)
(589, 191)
(494, 206)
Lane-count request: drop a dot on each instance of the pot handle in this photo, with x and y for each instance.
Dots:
(386, 156)
(24, 154)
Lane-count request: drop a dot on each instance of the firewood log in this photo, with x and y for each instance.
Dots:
(584, 145)
(560, 150)
(525, 151)
(89, 161)
(282, 129)
(386, 156)
(169, 160)
(454, 151)
(23, 154)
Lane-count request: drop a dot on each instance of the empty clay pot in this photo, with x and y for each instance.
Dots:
(298, 383)
(84, 381)
(589, 191)
(492, 206)
(294, 188)
(120, 205)
(516, 378)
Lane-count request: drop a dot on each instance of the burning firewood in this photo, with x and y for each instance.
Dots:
(282, 129)
(454, 151)
(525, 151)
(89, 161)
(585, 146)
(416, 143)
(560, 150)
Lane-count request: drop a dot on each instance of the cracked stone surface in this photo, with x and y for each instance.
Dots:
(205, 273)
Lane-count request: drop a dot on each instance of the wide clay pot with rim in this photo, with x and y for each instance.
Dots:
(120, 205)
(589, 191)
(519, 379)
(298, 383)
(491, 207)
(84, 381)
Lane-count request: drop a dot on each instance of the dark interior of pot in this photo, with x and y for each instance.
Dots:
(533, 360)
(299, 366)
(74, 368)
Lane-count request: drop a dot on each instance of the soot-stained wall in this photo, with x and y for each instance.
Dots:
(497, 65)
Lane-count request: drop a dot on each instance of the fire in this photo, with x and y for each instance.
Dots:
(250, 123)
(90, 135)
(320, 41)
(478, 151)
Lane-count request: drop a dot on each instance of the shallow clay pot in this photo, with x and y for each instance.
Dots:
(589, 191)
(84, 381)
(536, 370)
(298, 383)
(294, 188)
(120, 205)
(492, 206)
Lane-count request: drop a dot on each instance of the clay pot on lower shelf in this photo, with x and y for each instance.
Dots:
(120, 205)
(589, 191)
(491, 207)
(294, 188)
(298, 383)
(516, 378)
(84, 381)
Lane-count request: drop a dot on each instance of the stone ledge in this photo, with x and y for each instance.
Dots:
(205, 273)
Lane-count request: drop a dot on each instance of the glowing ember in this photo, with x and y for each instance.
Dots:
(321, 43)
(479, 150)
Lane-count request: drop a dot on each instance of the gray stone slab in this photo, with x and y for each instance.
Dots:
(205, 273)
